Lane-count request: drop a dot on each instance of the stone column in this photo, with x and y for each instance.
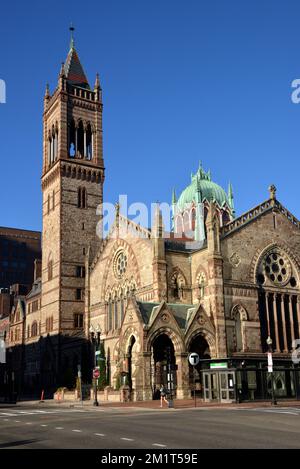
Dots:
(283, 324)
(291, 320)
(298, 314)
(147, 391)
(275, 312)
(84, 142)
(268, 312)
(182, 391)
(49, 152)
(76, 141)
(56, 145)
(92, 145)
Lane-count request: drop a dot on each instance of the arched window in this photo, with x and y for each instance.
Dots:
(53, 200)
(48, 204)
(89, 146)
(50, 268)
(72, 139)
(116, 319)
(34, 329)
(239, 314)
(179, 225)
(49, 150)
(193, 218)
(56, 143)
(177, 284)
(186, 223)
(121, 309)
(82, 198)
(110, 319)
(17, 316)
(225, 218)
(201, 282)
(80, 140)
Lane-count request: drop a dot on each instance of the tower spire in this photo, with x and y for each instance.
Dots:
(72, 29)
(230, 198)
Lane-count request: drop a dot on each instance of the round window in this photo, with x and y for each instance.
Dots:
(277, 268)
(120, 264)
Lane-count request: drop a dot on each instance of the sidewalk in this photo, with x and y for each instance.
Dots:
(155, 404)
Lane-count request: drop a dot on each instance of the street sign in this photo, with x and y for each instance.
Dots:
(270, 363)
(96, 373)
(194, 358)
(219, 365)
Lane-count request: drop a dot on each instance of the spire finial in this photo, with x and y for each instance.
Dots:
(72, 29)
(47, 91)
(272, 190)
(97, 82)
(174, 199)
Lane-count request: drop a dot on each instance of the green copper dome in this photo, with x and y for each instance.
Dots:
(201, 188)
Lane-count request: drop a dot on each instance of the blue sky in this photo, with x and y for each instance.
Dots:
(183, 81)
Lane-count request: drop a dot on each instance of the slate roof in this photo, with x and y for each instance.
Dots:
(36, 288)
(180, 311)
(73, 70)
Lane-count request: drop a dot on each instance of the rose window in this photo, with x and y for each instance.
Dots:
(121, 264)
(277, 268)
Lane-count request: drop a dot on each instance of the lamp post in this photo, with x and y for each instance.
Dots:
(170, 377)
(270, 367)
(95, 338)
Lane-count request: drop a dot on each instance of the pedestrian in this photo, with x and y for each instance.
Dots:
(163, 393)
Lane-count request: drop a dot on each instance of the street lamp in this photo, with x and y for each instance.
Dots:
(170, 377)
(95, 338)
(270, 367)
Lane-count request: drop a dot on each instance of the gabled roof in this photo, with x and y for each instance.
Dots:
(180, 311)
(73, 70)
(256, 213)
(36, 288)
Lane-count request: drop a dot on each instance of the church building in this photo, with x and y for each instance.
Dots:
(217, 284)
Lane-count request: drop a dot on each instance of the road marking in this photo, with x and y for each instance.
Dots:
(157, 444)
(28, 423)
(8, 415)
(59, 428)
(99, 434)
(17, 421)
(44, 425)
(127, 439)
(6, 420)
(78, 431)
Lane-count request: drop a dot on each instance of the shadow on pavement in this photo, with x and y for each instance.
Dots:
(17, 443)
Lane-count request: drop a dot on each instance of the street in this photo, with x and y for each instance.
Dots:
(51, 426)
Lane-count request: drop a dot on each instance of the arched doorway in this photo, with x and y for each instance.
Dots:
(200, 346)
(162, 355)
(129, 360)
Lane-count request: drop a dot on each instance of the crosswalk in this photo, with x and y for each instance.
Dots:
(273, 410)
(20, 413)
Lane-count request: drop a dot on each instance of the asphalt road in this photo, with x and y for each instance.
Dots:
(127, 428)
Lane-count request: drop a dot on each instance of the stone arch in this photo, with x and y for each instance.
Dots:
(238, 309)
(239, 315)
(121, 243)
(208, 335)
(260, 254)
(125, 340)
(174, 336)
(176, 283)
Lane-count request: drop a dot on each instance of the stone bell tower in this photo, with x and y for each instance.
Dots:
(72, 186)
